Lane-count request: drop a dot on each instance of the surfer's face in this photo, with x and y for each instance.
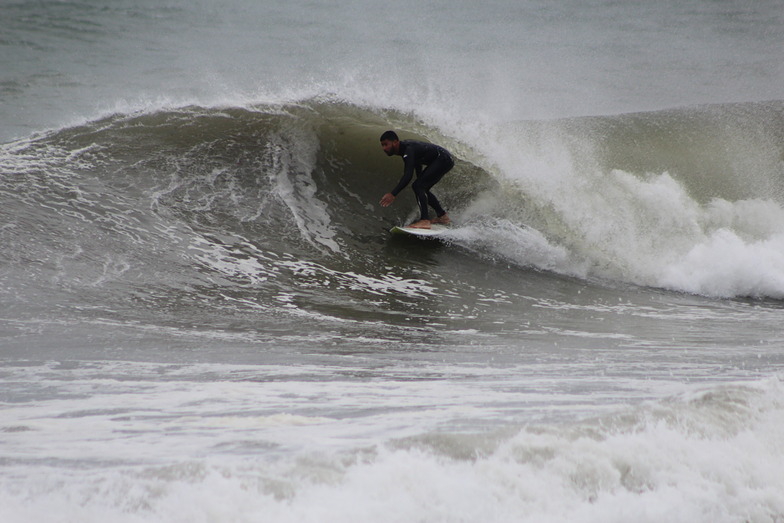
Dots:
(390, 146)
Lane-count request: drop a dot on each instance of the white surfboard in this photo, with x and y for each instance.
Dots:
(435, 230)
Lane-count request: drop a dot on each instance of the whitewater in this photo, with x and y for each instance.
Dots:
(204, 317)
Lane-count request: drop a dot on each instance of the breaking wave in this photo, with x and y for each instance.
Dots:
(202, 201)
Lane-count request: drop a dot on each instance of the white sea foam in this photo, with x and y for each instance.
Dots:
(292, 160)
(706, 454)
(561, 209)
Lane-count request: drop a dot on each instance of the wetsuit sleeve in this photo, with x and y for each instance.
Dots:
(409, 164)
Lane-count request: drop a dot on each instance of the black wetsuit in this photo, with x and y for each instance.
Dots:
(437, 162)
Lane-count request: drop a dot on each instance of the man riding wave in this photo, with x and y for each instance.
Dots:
(430, 162)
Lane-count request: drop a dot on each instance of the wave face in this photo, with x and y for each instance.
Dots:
(178, 213)
(278, 203)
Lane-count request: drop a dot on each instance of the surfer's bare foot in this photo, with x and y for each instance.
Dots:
(421, 224)
(443, 220)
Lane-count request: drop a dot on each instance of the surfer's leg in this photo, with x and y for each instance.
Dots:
(429, 177)
(425, 198)
(422, 198)
(435, 204)
(421, 186)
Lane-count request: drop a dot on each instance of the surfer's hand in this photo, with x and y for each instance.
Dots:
(387, 199)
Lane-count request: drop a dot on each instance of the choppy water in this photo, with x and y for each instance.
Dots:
(204, 317)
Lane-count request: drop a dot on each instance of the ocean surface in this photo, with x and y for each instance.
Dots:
(204, 318)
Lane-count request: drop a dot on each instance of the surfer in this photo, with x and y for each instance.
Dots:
(436, 162)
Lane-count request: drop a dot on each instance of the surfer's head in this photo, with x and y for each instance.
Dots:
(390, 143)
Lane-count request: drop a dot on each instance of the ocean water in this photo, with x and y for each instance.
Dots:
(203, 317)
